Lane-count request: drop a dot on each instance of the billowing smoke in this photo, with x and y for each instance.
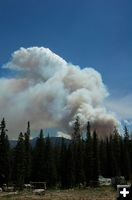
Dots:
(50, 92)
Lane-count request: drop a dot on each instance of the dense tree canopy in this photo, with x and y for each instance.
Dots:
(69, 164)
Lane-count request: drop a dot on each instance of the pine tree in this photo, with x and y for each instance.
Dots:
(50, 167)
(19, 162)
(56, 155)
(63, 165)
(71, 165)
(88, 134)
(76, 134)
(38, 162)
(27, 155)
(109, 162)
(79, 162)
(95, 172)
(103, 156)
(116, 153)
(127, 163)
(122, 167)
(88, 155)
(4, 153)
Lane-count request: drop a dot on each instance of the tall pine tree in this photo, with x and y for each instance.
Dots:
(76, 134)
(50, 167)
(4, 154)
(71, 166)
(38, 162)
(63, 165)
(116, 153)
(95, 172)
(27, 154)
(88, 155)
(19, 162)
(127, 163)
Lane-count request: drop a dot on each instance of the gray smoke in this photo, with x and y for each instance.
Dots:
(50, 92)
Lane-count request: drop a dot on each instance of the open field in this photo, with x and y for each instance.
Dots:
(103, 193)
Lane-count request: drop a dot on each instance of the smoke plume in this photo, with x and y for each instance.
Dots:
(50, 92)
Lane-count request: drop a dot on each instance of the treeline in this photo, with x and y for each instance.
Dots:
(65, 165)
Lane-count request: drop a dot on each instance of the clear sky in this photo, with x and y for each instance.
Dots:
(93, 33)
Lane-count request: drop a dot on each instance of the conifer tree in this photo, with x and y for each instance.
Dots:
(50, 167)
(116, 153)
(38, 162)
(109, 153)
(88, 155)
(4, 153)
(95, 172)
(56, 155)
(71, 166)
(88, 133)
(79, 162)
(127, 163)
(19, 162)
(103, 158)
(122, 167)
(63, 165)
(76, 134)
(27, 154)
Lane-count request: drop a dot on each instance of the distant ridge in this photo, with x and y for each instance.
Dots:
(54, 140)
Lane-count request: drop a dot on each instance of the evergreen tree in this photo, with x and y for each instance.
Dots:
(63, 165)
(71, 166)
(116, 153)
(88, 155)
(27, 155)
(79, 162)
(19, 162)
(109, 162)
(88, 133)
(56, 155)
(77, 169)
(122, 167)
(50, 167)
(127, 163)
(76, 134)
(103, 155)
(95, 172)
(38, 162)
(4, 153)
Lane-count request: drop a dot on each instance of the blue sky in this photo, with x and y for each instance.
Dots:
(93, 33)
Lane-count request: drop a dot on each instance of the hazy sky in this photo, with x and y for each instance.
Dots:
(91, 33)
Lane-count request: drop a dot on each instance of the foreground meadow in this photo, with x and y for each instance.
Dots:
(102, 193)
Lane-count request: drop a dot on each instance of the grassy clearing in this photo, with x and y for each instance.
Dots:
(102, 193)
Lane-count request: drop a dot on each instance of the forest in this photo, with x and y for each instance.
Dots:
(65, 165)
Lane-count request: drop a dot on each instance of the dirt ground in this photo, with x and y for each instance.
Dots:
(102, 193)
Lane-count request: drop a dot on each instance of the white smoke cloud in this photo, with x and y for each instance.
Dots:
(63, 135)
(51, 92)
